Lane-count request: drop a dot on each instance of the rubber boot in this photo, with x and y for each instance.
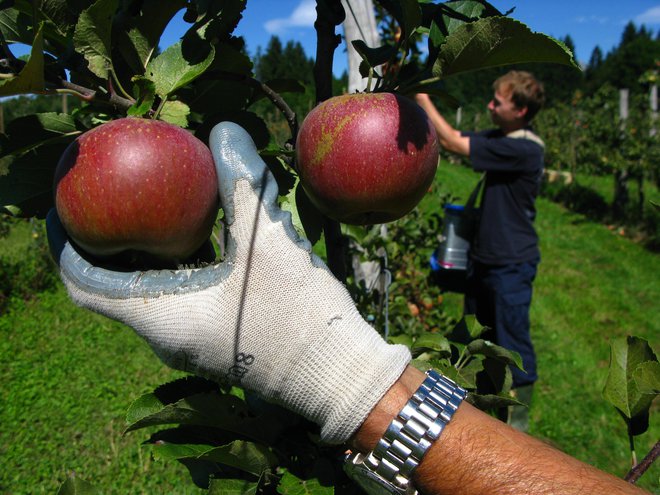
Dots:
(519, 414)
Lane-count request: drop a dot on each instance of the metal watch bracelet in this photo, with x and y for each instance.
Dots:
(413, 431)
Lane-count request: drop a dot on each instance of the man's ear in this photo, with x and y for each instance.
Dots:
(521, 113)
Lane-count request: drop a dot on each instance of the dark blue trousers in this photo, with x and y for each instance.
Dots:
(500, 297)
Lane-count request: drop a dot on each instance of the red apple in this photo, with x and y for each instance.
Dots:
(140, 185)
(366, 158)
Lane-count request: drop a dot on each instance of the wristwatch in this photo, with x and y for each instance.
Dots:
(389, 467)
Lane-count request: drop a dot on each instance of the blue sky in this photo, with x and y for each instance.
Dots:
(588, 22)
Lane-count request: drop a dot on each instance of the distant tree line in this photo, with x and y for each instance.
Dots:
(637, 53)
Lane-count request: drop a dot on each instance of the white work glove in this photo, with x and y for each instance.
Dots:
(271, 318)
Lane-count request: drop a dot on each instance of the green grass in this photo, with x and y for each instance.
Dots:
(604, 185)
(68, 376)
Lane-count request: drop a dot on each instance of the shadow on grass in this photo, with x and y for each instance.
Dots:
(585, 201)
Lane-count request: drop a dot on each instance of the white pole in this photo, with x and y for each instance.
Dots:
(653, 97)
(623, 106)
(360, 24)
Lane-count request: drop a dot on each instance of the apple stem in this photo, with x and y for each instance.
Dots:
(370, 80)
(418, 86)
(118, 83)
(160, 107)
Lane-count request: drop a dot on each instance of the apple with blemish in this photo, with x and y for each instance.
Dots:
(137, 185)
(366, 158)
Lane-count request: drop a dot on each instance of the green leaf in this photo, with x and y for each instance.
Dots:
(310, 217)
(223, 411)
(92, 36)
(25, 133)
(216, 20)
(225, 486)
(406, 12)
(246, 456)
(403, 339)
(26, 181)
(58, 18)
(290, 484)
(433, 342)
(490, 350)
(467, 375)
(139, 34)
(374, 56)
(171, 70)
(436, 38)
(231, 59)
(437, 89)
(77, 486)
(621, 389)
(498, 375)
(647, 377)
(175, 112)
(469, 325)
(63, 14)
(144, 92)
(16, 26)
(31, 77)
(457, 13)
(491, 401)
(497, 41)
(203, 409)
(285, 178)
(447, 17)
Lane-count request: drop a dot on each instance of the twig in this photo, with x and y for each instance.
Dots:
(272, 95)
(87, 94)
(282, 105)
(638, 470)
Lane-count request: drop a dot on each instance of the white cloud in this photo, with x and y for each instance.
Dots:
(591, 19)
(651, 16)
(303, 15)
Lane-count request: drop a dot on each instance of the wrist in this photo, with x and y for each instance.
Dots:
(374, 426)
(410, 432)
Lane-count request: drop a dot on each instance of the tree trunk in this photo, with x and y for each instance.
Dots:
(621, 194)
(640, 196)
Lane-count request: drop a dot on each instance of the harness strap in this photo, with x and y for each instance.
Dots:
(526, 134)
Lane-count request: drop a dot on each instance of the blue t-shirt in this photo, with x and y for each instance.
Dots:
(514, 170)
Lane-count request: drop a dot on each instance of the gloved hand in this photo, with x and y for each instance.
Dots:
(271, 318)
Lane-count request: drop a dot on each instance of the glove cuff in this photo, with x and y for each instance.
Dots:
(339, 384)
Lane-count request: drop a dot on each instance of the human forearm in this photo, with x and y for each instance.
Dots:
(478, 454)
(450, 138)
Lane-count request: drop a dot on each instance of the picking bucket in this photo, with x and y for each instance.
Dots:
(456, 236)
(450, 259)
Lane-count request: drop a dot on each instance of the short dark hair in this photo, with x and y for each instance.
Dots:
(525, 91)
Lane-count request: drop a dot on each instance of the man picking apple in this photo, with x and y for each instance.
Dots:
(504, 253)
(272, 319)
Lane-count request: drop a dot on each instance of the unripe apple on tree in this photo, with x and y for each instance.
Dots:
(366, 158)
(137, 185)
